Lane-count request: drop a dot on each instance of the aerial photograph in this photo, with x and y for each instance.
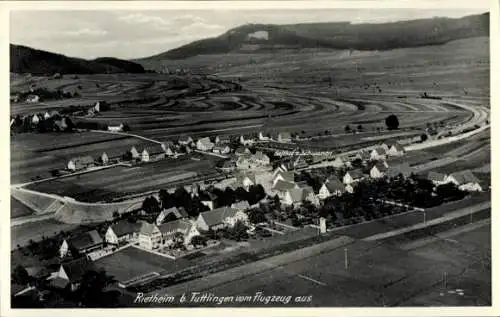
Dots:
(250, 158)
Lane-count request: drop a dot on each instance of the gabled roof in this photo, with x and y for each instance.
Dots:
(403, 169)
(464, 177)
(124, 227)
(334, 185)
(287, 176)
(398, 147)
(380, 167)
(147, 228)
(379, 151)
(86, 240)
(180, 225)
(283, 185)
(75, 269)
(242, 176)
(205, 140)
(217, 216)
(241, 205)
(434, 176)
(297, 194)
(355, 173)
(185, 138)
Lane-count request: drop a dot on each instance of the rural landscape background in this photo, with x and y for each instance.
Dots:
(342, 164)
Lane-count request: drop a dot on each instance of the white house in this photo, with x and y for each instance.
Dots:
(122, 232)
(465, 180)
(170, 229)
(145, 156)
(396, 150)
(352, 176)
(79, 163)
(261, 158)
(246, 180)
(115, 128)
(46, 115)
(33, 99)
(178, 213)
(332, 186)
(263, 137)
(378, 154)
(134, 152)
(284, 137)
(150, 236)
(378, 170)
(338, 162)
(82, 244)
(208, 199)
(244, 140)
(204, 144)
(437, 178)
(35, 119)
(222, 149)
(104, 158)
(220, 218)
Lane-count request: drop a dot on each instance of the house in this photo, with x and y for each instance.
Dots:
(145, 156)
(279, 169)
(353, 176)
(81, 244)
(384, 146)
(396, 150)
(222, 149)
(46, 115)
(185, 140)
(263, 137)
(104, 158)
(71, 273)
(220, 218)
(246, 140)
(178, 213)
(296, 196)
(403, 169)
(338, 162)
(246, 180)
(284, 176)
(150, 236)
(242, 151)
(465, 180)
(437, 178)
(134, 153)
(350, 187)
(310, 195)
(241, 205)
(183, 226)
(79, 163)
(122, 232)
(204, 144)
(97, 107)
(228, 166)
(245, 162)
(261, 158)
(208, 199)
(298, 162)
(378, 170)
(284, 137)
(281, 187)
(378, 154)
(35, 119)
(116, 128)
(223, 139)
(32, 99)
(332, 186)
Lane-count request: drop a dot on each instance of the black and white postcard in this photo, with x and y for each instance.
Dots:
(249, 155)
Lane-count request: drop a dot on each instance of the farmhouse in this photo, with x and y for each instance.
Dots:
(46, 115)
(208, 199)
(122, 232)
(242, 151)
(134, 153)
(261, 158)
(295, 196)
(403, 170)
(222, 149)
(245, 162)
(241, 205)
(284, 137)
(104, 158)
(145, 156)
(396, 150)
(82, 244)
(185, 140)
(173, 212)
(116, 128)
(378, 154)
(353, 176)
(465, 180)
(204, 144)
(281, 187)
(220, 218)
(32, 99)
(35, 119)
(149, 236)
(79, 163)
(332, 186)
(264, 137)
(437, 178)
(170, 229)
(378, 170)
(70, 273)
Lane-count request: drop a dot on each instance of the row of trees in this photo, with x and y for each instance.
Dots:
(55, 123)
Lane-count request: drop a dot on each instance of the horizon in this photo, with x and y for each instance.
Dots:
(138, 34)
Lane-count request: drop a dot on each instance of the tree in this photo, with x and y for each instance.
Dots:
(423, 137)
(116, 215)
(347, 129)
(126, 127)
(238, 232)
(166, 200)
(392, 122)
(91, 292)
(256, 215)
(70, 126)
(151, 205)
(199, 241)
(360, 127)
(21, 276)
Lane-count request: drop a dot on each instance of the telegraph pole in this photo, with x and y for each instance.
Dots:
(346, 261)
(425, 220)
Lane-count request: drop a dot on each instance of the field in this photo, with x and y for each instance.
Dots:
(132, 262)
(20, 235)
(120, 180)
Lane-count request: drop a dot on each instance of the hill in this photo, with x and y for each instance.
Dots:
(264, 37)
(25, 59)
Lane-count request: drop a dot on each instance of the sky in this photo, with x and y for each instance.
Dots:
(134, 34)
